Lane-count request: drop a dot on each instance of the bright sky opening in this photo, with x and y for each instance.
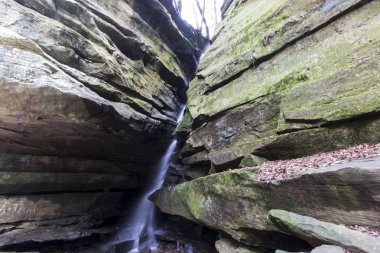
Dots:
(192, 15)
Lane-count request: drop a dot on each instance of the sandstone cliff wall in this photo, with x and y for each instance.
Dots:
(285, 79)
(89, 95)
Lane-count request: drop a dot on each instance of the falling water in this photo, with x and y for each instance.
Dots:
(184, 247)
(143, 218)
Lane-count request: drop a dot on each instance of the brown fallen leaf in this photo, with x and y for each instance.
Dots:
(284, 169)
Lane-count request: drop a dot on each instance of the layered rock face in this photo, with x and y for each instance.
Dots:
(283, 79)
(237, 203)
(89, 95)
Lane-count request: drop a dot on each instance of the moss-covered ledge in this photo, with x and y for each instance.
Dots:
(237, 203)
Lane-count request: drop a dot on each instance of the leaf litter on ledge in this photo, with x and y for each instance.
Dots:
(284, 169)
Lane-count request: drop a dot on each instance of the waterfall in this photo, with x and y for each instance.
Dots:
(143, 217)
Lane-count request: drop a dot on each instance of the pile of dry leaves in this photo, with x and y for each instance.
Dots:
(364, 229)
(283, 169)
(367, 230)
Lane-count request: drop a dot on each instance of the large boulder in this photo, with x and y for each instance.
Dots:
(328, 249)
(49, 217)
(283, 78)
(227, 245)
(317, 232)
(237, 203)
(89, 94)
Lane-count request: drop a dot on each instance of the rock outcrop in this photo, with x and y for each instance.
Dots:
(237, 203)
(90, 91)
(328, 249)
(282, 79)
(317, 232)
(285, 79)
(226, 245)
(89, 94)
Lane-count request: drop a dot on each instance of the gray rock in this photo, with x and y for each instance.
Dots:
(237, 203)
(297, 90)
(89, 95)
(31, 182)
(328, 249)
(281, 251)
(50, 217)
(227, 245)
(318, 232)
(252, 161)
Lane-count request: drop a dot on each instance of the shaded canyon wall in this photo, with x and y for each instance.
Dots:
(282, 79)
(89, 95)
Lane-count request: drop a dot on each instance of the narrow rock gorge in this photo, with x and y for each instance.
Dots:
(278, 149)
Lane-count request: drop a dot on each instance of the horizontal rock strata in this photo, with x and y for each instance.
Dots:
(317, 232)
(237, 203)
(282, 79)
(89, 95)
(285, 79)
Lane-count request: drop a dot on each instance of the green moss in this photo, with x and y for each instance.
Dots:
(185, 124)
(288, 82)
(252, 161)
(212, 169)
(267, 22)
(308, 74)
(194, 203)
(225, 178)
(192, 198)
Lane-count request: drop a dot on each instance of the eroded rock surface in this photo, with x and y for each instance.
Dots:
(282, 79)
(89, 94)
(317, 232)
(285, 79)
(226, 245)
(237, 203)
(328, 249)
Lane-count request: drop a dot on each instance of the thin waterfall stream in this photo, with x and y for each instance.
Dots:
(143, 219)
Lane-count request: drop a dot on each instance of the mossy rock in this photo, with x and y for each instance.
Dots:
(317, 232)
(237, 203)
(252, 161)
